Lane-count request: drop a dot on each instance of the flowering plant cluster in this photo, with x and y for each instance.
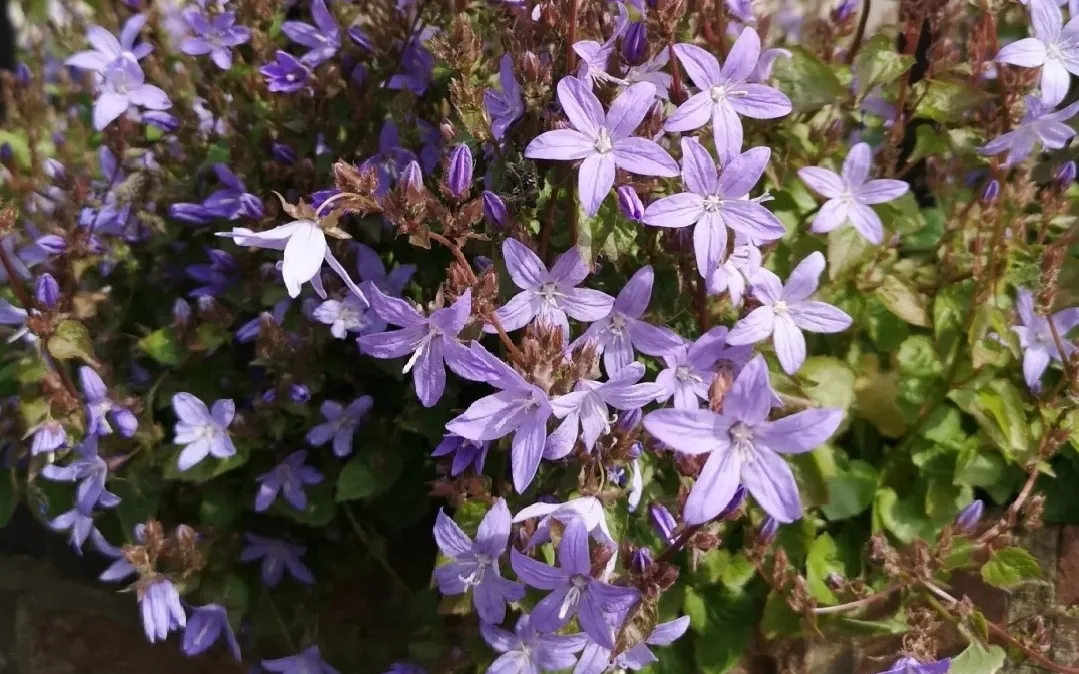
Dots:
(521, 336)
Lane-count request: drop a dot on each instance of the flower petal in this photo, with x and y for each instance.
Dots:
(832, 214)
(1028, 53)
(789, 343)
(743, 172)
(686, 431)
(677, 210)
(698, 167)
(800, 432)
(451, 539)
(644, 157)
(755, 327)
(769, 479)
(524, 266)
(743, 57)
(304, 254)
(693, 114)
(581, 106)
(881, 191)
(760, 102)
(822, 181)
(629, 108)
(701, 66)
(804, 278)
(867, 222)
(564, 144)
(817, 316)
(633, 298)
(714, 487)
(857, 164)
(594, 181)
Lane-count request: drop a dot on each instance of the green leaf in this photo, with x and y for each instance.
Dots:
(878, 63)
(904, 519)
(724, 621)
(949, 314)
(904, 301)
(319, 511)
(807, 81)
(885, 328)
(17, 142)
(70, 340)
(822, 560)
(356, 480)
(929, 142)
(828, 381)
(978, 468)
(917, 358)
(851, 491)
(9, 496)
(162, 346)
(1009, 567)
(847, 249)
(998, 408)
(944, 101)
(977, 659)
(137, 502)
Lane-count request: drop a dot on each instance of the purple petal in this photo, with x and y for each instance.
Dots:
(581, 106)
(1035, 361)
(107, 108)
(743, 172)
(752, 219)
(494, 529)
(804, 279)
(1046, 19)
(727, 131)
(857, 164)
(800, 432)
(693, 114)
(686, 431)
(190, 409)
(677, 210)
(429, 373)
(534, 573)
(517, 313)
(748, 399)
(1028, 53)
(714, 487)
(569, 269)
(592, 620)
(644, 157)
(668, 632)
(573, 554)
(395, 310)
(755, 327)
(709, 243)
(867, 222)
(817, 316)
(700, 65)
(832, 214)
(524, 266)
(594, 180)
(822, 181)
(629, 108)
(769, 479)
(653, 340)
(392, 344)
(881, 191)
(743, 56)
(527, 449)
(698, 168)
(565, 144)
(633, 299)
(490, 417)
(760, 102)
(586, 304)
(790, 344)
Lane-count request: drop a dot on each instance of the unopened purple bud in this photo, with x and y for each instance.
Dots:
(482, 262)
(629, 420)
(629, 203)
(845, 10)
(459, 176)
(6, 153)
(360, 38)
(52, 243)
(635, 43)
(358, 76)
(494, 209)
(321, 147)
(269, 396)
(284, 154)
(968, 519)
(299, 393)
(47, 291)
(195, 214)
(635, 451)
(767, 533)
(1066, 175)
(23, 75)
(412, 176)
(59, 139)
(735, 503)
(251, 206)
(991, 192)
(125, 422)
(53, 168)
(640, 560)
(162, 120)
(181, 312)
(663, 522)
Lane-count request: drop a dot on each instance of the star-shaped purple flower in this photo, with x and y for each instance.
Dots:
(465, 453)
(526, 651)
(604, 141)
(90, 471)
(121, 85)
(308, 662)
(743, 446)
(276, 555)
(100, 408)
(340, 425)
(205, 626)
(289, 478)
(202, 431)
(107, 49)
(286, 74)
(909, 665)
(1039, 125)
(322, 39)
(851, 195)
(691, 366)
(504, 107)
(214, 36)
(1036, 338)
(1054, 47)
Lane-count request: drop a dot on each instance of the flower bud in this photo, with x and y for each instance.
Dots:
(635, 43)
(358, 76)
(321, 147)
(735, 503)
(629, 203)
(23, 75)
(6, 153)
(767, 533)
(459, 175)
(447, 131)
(299, 393)
(991, 192)
(54, 169)
(284, 154)
(125, 422)
(968, 519)
(194, 214)
(360, 38)
(494, 209)
(412, 176)
(251, 206)
(635, 451)
(161, 120)
(663, 522)
(47, 291)
(1066, 175)
(482, 263)
(629, 420)
(181, 312)
(845, 10)
(640, 560)
(53, 244)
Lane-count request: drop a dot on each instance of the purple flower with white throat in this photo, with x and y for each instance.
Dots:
(202, 431)
(716, 201)
(340, 425)
(288, 478)
(49, 436)
(738, 270)
(286, 74)
(1054, 48)
(585, 410)
(204, 627)
(691, 367)
(851, 195)
(323, 39)
(548, 295)
(597, 660)
(1040, 124)
(526, 651)
(474, 563)
(214, 36)
(276, 555)
(603, 141)
(621, 331)
(1036, 337)
(909, 665)
(160, 607)
(726, 93)
(432, 340)
(90, 471)
(587, 509)
(519, 407)
(308, 662)
(101, 409)
(574, 592)
(121, 85)
(107, 49)
(743, 446)
(465, 453)
(787, 310)
(344, 316)
(507, 106)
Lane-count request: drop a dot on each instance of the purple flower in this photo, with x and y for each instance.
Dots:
(431, 340)
(289, 478)
(726, 93)
(232, 199)
(162, 612)
(121, 85)
(629, 203)
(416, 63)
(504, 107)
(276, 556)
(717, 201)
(474, 564)
(1054, 47)
(743, 446)
(908, 665)
(13, 315)
(100, 409)
(548, 295)
(574, 592)
(768, 530)
(621, 331)
(286, 74)
(586, 509)
(1036, 338)
(585, 410)
(308, 662)
(216, 277)
(635, 43)
(390, 158)
(596, 659)
(340, 425)
(1065, 176)
(465, 453)
(604, 142)
(323, 39)
(663, 522)
(691, 367)
(80, 526)
(850, 196)
(204, 627)
(107, 49)
(967, 520)
(519, 407)
(1039, 125)
(526, 651)
(214, 36)
(459, 172)
(202, 432)
(90, 471)
(344, 316)
(49, 436)
(494, 209)
(736, 271)
(47, 291)
(787, 310)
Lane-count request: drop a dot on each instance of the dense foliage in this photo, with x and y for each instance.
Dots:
(287, 288)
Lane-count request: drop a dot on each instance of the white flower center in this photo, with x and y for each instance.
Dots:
(712, 203)
(780, 308)
(742, 441)
(476, 577)
(618, 322)
(719, 93)
(1053, 52)
(604, 144)
(579, 582)
(421, 347)
(291, 77)
(685, 374)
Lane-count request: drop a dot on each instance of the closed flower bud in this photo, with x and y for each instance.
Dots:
(358, 76)
(161, 120)
(284, 154)
(640, 560)
(735, 503)
(412, 176)
(299, 393)
(663, 522)
(47, 291)
(52, 243)
(629, 420)
(1066, 175)
(968, 519)
(635, 43)
(6, 153)
(23, 75)
(845, 10)
(195, 214)
(251, 206)
(629, 203)
(447, 131)
(459, 173)
(494, 209)
(482, 263)
(767, 533)
(360, 38)
(991, 192)
(181, 312)
(54, 169)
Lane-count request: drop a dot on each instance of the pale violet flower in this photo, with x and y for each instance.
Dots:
(1054, 48)
(203, 432)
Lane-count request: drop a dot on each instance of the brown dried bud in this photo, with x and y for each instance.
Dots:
(1051, 263)
(704, 541)
(721, 384)
(1034, 512)
(8, 216)
(447, 131)
(272, 343)
(61, 399)
(543, 347)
